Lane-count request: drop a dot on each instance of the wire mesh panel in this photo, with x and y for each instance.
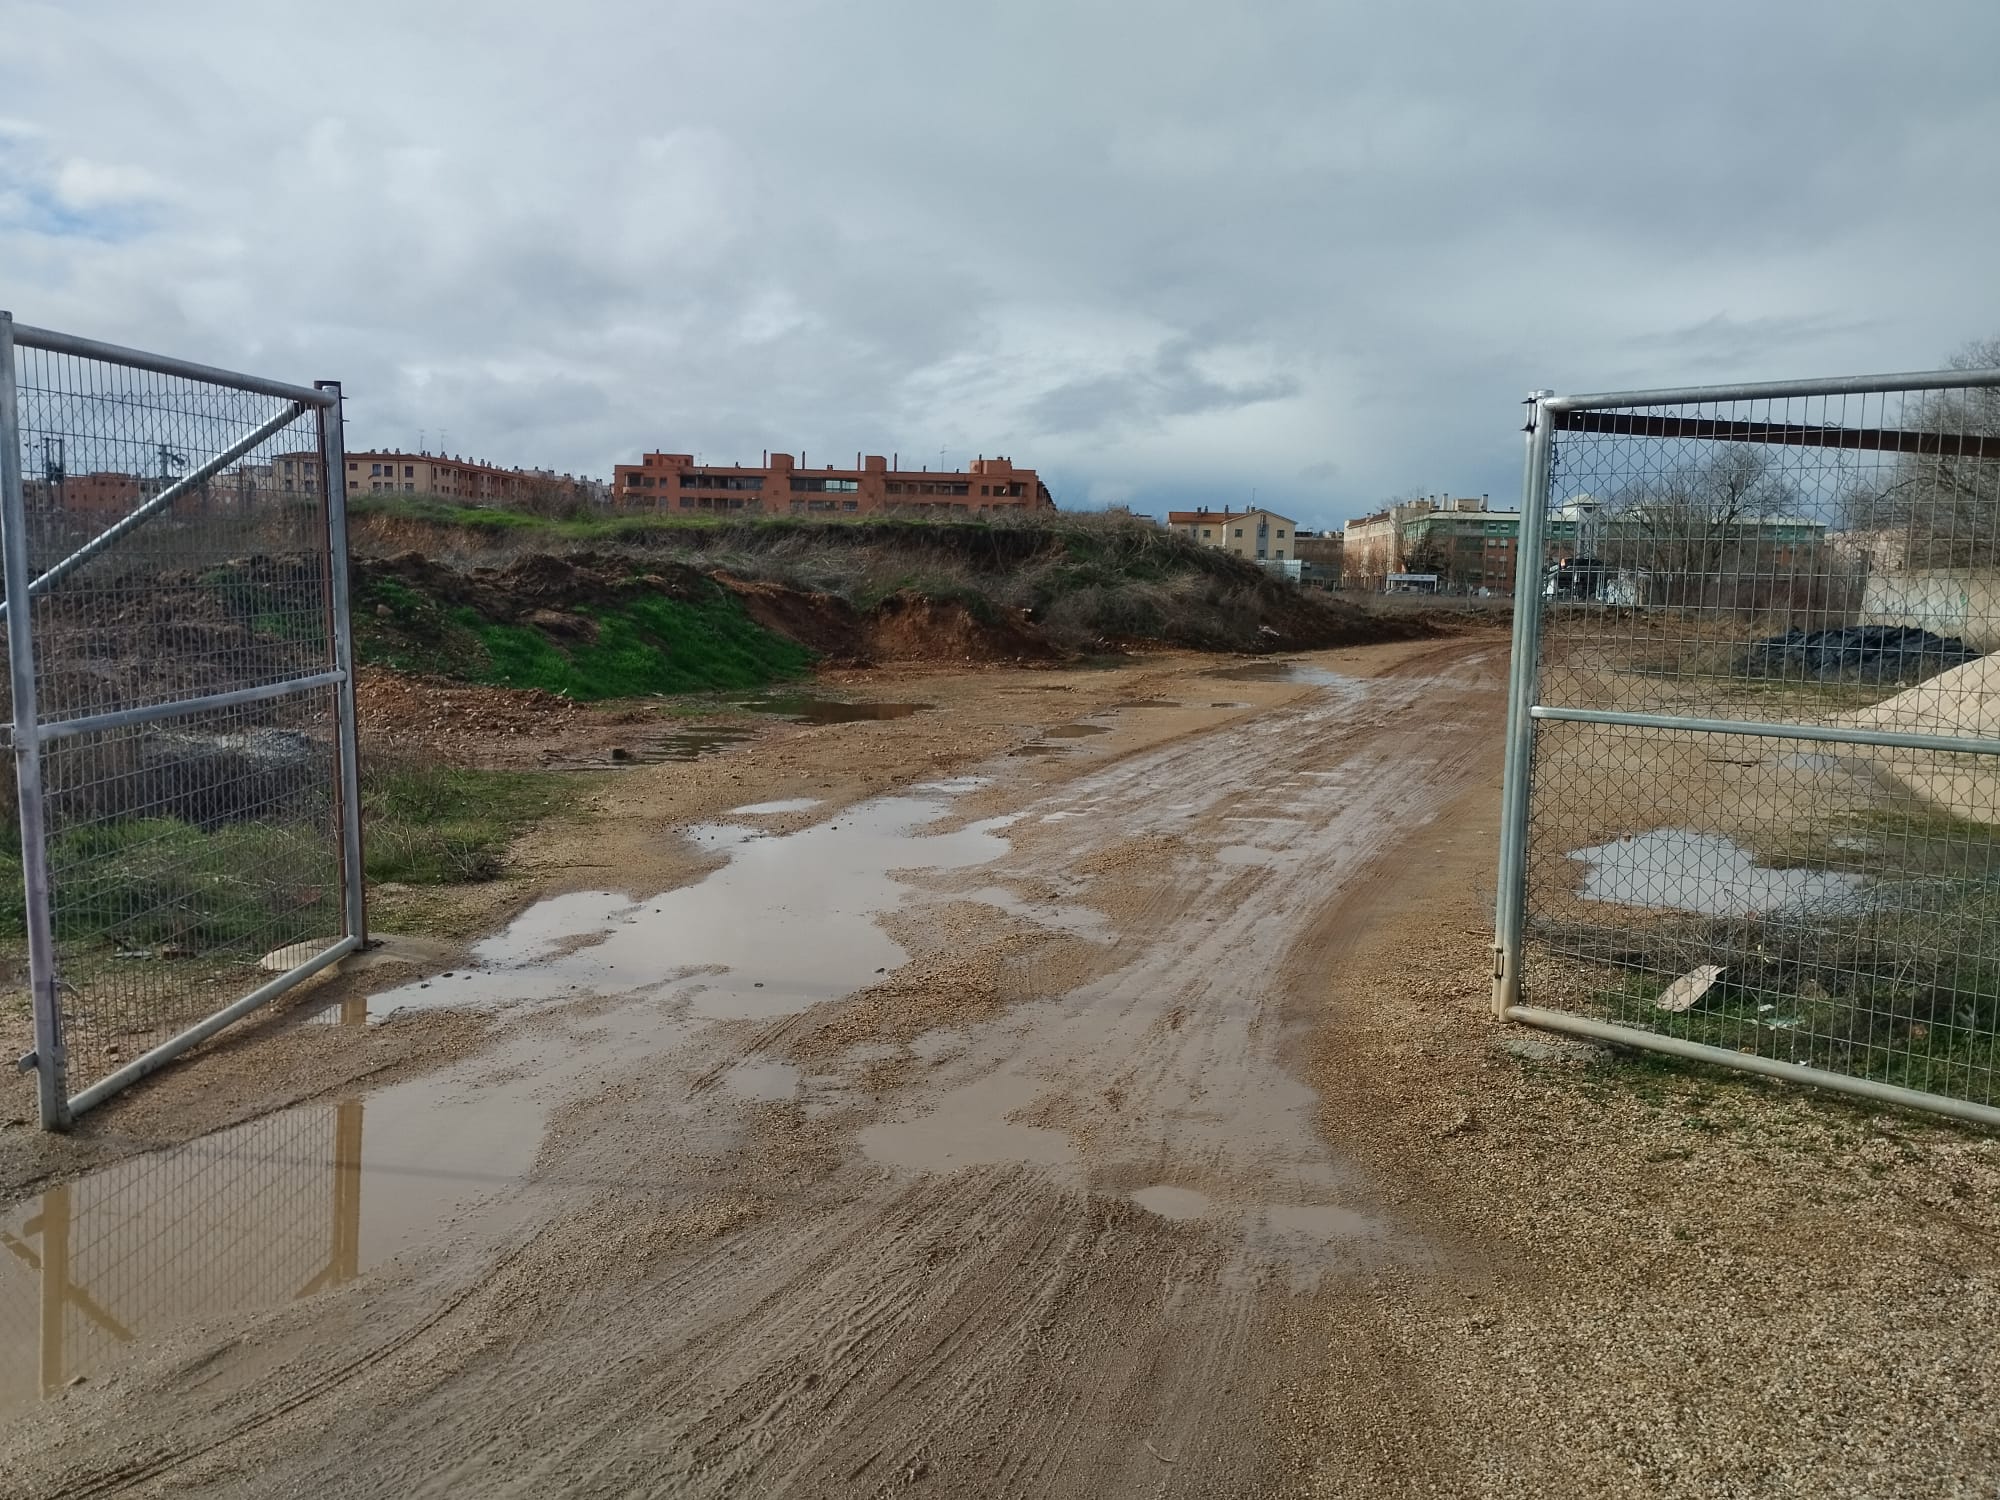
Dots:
(181, 701)
(1753, 801)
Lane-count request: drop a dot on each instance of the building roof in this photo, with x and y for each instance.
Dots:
(1200, 517)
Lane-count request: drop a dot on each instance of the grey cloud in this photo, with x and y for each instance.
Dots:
(1320, 248)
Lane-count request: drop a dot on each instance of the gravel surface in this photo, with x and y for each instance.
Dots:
(1177, 1157)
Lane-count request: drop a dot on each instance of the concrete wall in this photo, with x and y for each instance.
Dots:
(1962, 602)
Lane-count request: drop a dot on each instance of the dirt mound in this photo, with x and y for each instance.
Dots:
(824, 624)
(539, 584)
(1964, 702)
(910, 627)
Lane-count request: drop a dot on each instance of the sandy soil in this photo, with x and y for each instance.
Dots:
(1121, 1120)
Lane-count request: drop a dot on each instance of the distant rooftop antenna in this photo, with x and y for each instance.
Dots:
(422, 433)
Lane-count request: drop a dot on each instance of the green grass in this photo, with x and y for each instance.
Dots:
(1905, 990)
(646, 644)
(170, 889)
(436, 825)
(151, 882)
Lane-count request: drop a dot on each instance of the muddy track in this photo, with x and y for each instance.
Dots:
(1034, 1219)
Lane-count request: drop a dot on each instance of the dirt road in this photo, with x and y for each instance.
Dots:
(1107, 1114)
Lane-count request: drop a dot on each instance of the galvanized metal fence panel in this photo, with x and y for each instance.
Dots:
(1752, 809)
(181, 700)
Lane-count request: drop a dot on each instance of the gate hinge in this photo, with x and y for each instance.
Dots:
(1499, 961)
(28, 1061)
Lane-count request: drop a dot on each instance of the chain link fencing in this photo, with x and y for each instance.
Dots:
(1753, 774)
(181, 696)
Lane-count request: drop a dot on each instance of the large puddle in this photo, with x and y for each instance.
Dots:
(1281, 671)
(787, 921)
(281, 1208)
(1673, 869)
(831, 710)
(93, 1270)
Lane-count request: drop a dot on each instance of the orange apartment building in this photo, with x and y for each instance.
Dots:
(466, 480)
(675, 482)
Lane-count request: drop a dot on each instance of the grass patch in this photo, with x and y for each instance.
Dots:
(163, 888)
(644, 646)
(1903, 987)
(437, 825)
(639, 645)
(160, 883)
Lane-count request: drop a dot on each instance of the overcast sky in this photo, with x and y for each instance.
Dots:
(1163, 252)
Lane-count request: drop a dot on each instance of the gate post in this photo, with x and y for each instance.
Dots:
(1510, 898)
(49, 1057)
(333, 461)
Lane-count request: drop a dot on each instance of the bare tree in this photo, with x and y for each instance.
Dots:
(1940, 508)
(1695, 523)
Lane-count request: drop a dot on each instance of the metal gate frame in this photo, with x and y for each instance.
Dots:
(30, 731)
(1548, 412)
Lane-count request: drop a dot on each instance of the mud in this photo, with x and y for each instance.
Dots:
(1137, 1169)
(831, 710)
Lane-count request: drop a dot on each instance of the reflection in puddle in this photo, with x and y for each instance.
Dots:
(1074, 731)
(772, 809)
(1675, 870)
(787, 921)
(831, 710)
(1147, 703)
(248, 1218)
(1280, 671)
(763, 1078)
(676, 745)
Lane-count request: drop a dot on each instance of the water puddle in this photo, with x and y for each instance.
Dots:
(763, 1078)
(1074, 731)
(970, 1128)
(831, 710)
(93, 1271)
(773, 809)
(1675, 870)
(1173, 1203)
(1147, 703)
(675, 745)
(1039, 749)
(787, 921)
(1280, 671)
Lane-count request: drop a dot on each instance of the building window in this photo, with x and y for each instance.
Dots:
(850, 505)
(352, 467)
(409, 471)
(687, 502)
(1281, 554)
(409, 487)
(1281, 532)
(1207, 535)
(1239, 531)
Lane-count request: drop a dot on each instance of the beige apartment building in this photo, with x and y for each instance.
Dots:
(1259, 535)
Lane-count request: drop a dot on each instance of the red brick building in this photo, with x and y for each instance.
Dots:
(779, 487)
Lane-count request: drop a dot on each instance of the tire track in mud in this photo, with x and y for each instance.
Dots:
(1012, 1328)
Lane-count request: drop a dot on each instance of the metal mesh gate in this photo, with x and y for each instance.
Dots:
(1752, 786)
(188, 835)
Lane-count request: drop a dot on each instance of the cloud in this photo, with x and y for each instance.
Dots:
(1316, 249)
